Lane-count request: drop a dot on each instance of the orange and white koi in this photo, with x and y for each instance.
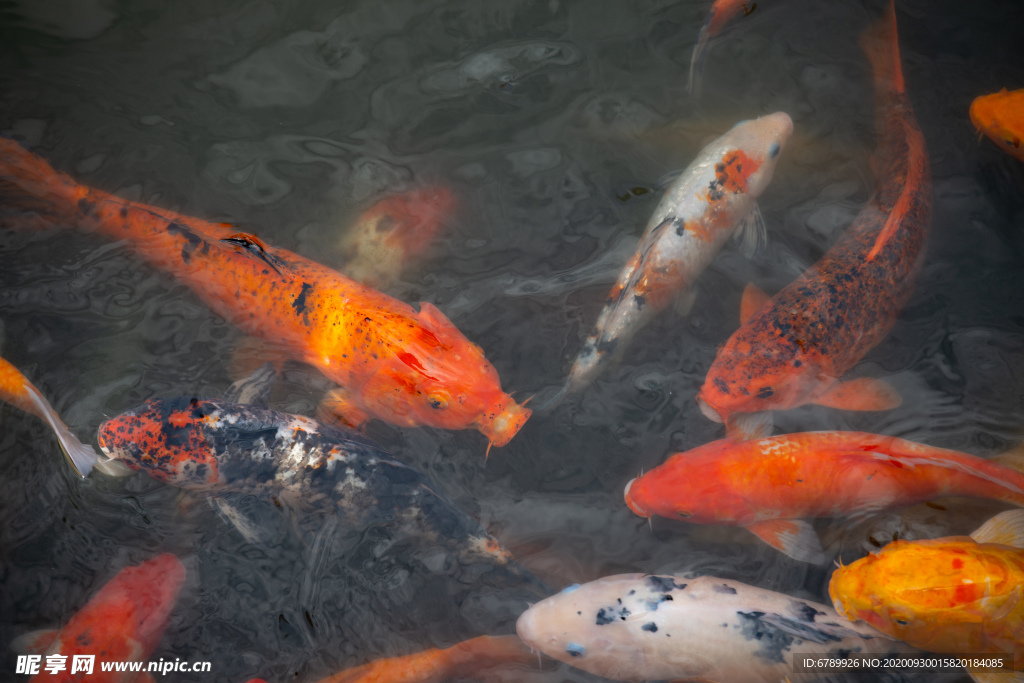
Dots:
(634, 627)
(792, 349)
(123, 622)
(393, 232)
(962, 594)
(772, 485)
(703, 208)
(1000, 116)
(21, 393)
(395, 363)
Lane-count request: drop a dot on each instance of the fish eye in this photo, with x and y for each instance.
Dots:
(683, 514)
(774, 150)
(438, 400)
(576, 650)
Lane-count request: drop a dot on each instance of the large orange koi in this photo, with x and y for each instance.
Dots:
(406, 367)
(21, 393)
(772, 485)
(793, 349)
(123, 622)
(962, 594)
(1000, 116)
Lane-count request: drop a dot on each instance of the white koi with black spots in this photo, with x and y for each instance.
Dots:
(635, 627)
(703, 208)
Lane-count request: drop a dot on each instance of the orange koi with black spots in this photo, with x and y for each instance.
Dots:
(395, 363)
(792, 349)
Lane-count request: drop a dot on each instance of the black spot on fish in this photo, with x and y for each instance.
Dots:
(797, 364)
(124, 212)
(85, 206)
(650, 626)
(664, 584)
(300, 301)
(607, 615)
(640, 300)
(773, 640)
(722, 386)
(805, 612)
(765, 392)
(607, 346)
(728, 590)
(192, 240)
(680, 227)
(715, 191)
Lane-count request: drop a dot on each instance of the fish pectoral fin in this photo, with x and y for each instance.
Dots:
(34, 642)
(248, 529)
(752, 234)
(1006, 605)
(794, 537)
(113, 468)
(863, 393)
(814, 632)
(754, 299)
(432, 315)
(1006, 528)
(684, 302)
(254, 389)
(339, 407)
(747, 426)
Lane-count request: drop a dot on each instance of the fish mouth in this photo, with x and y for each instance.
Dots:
(709, 412)
(500, 426)
(631, 504)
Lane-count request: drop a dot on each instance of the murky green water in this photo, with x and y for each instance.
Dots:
(289, 118)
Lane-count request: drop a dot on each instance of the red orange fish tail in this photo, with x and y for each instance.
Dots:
(29, 184)
(881, 45)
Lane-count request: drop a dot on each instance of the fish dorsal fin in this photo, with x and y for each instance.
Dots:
(752, 234)
(1013, 458)
(254, 246)
(754, 299)
(794, 537)
(254, 389)
(1006, 528)
(34, 642)
(864, 393)
(812, 631)
(747, 426)
(432, 315)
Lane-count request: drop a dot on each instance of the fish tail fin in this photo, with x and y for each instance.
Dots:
(881, 45)
(700, 53)
(81, 456)
(1006, 528)
(29, 184)
(1013, 458)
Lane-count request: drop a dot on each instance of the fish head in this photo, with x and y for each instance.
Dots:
(167, 439)
(760, 141)
(931, 594)
(437, 377)
(671, 490)
(1000, 116)
(750, 375)
(595, 626)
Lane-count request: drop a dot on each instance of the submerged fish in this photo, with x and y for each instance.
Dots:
(218, 446)
(1000, 116)
(394, 363)
(393, 232)
(465, 659)
(634, 627)
(18, 391)
(705, 206)
(123, 622)
(721, 12)
(962, 594)
(772, 485)
(792, 349)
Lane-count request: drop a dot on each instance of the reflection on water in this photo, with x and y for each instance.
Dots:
(292, 118)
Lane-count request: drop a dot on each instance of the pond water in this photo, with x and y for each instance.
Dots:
(554, 124)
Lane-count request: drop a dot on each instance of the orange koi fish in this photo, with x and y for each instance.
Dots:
(19, 392)
(792, 349)
(467, 658)
(962, 594)
(772, 485)
(722, 11)
(394, 232)
(395, 363)
(1000, 116)
(123, 622)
